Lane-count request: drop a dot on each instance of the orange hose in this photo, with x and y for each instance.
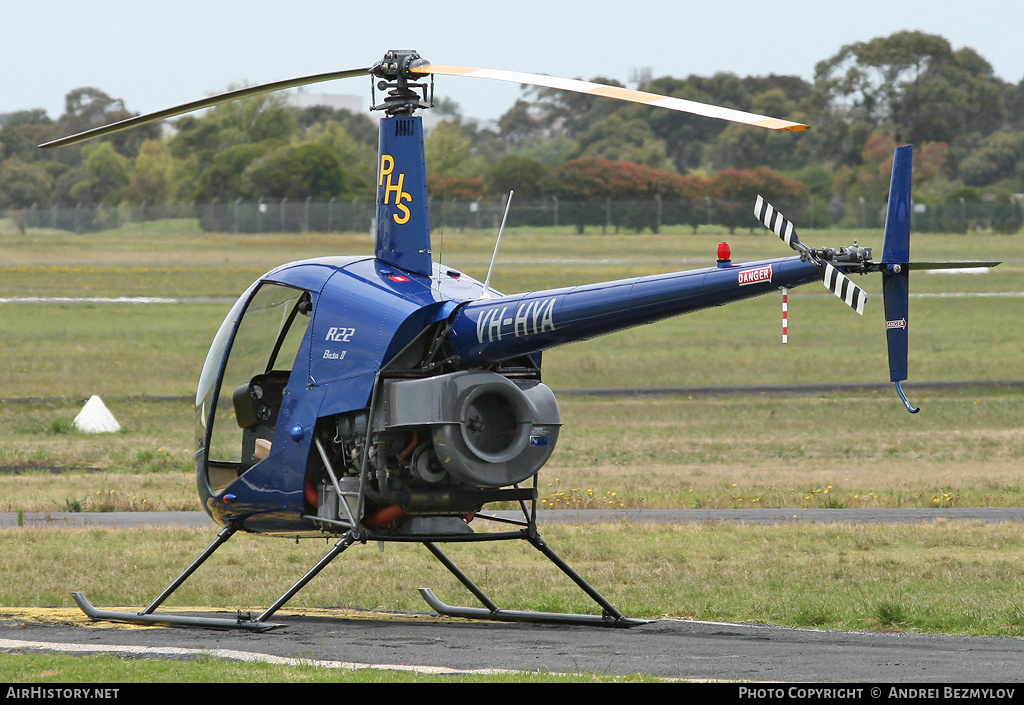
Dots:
(385, 515)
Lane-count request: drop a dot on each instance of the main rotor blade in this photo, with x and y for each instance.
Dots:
(589, 88)
(204, 103)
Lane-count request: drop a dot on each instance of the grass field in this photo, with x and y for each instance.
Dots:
(860, 449)
(839, 450)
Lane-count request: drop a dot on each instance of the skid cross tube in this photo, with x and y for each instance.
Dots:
(611, 617)
(148, 616)
(344, 542)
(259, 624)
(222, 536)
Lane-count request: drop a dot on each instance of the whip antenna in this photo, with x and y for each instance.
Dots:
(490, 270)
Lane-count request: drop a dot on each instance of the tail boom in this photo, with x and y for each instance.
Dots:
(491, 330)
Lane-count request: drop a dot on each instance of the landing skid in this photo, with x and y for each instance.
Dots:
(500, 615)
(165, 620)
(610, 617)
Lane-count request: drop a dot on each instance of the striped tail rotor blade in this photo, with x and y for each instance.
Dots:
(776, 222)
(841, 285)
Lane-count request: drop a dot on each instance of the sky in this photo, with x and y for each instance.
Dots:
(157, 55)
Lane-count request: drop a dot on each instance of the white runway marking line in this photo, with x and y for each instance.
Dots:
(90, 300)
(233, 655)
(169, 300)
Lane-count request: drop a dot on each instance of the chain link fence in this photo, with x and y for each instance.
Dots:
(585, 216)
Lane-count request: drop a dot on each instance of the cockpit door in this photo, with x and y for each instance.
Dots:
(261, 355)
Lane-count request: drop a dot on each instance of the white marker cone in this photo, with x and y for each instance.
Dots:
(95, 417)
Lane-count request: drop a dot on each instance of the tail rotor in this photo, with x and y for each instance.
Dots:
(895, 265)
(825, 260)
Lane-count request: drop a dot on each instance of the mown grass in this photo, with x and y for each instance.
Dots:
(705, 451)
(950, 577)
(73, 349)
(210, 668)
(80, 349)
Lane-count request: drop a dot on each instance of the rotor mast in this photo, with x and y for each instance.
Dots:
(403, 221)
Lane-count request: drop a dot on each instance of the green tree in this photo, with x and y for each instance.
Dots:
(295, 172)
(621, 138)
(223, 178)
(105, 175)
(448, 152)
(735, 190)
(22, 132)
(86, 108)
(518, 124)
(455, 188)
(999, 157)
(154, 178)
(687, 136)
(566, 112)
(744, 147)
(550, 151)
(597, 179)
(24, 185)
(358, 159)
(199, 140)
(516, 173)
(359, 126)
(912, 84)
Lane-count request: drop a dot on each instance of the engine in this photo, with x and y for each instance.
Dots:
(439, 446)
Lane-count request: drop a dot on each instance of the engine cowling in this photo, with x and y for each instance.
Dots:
(488, 430)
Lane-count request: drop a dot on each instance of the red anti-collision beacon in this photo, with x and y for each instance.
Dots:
(724, 254)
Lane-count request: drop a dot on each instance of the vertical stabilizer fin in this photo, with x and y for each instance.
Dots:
(895, 272)
(896, 243)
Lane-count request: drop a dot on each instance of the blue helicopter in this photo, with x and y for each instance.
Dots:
(388, 398)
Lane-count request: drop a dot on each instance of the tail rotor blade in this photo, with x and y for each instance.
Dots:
(777, 223)
(841, 285)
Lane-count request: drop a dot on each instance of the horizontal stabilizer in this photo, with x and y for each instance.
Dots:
(948, 265)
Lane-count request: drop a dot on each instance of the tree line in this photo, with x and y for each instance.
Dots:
(966, 124)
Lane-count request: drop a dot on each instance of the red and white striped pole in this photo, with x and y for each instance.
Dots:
(785, 315)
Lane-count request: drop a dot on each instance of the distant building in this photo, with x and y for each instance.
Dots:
(306, 99)
(302, 98)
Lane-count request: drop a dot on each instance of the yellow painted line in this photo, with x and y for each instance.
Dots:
(75, 617)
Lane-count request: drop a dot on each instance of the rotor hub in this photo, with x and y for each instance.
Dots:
(404, 95)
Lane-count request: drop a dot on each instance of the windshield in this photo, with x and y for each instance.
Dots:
(267, 338)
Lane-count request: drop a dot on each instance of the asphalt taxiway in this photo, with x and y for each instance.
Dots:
(664, 648)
